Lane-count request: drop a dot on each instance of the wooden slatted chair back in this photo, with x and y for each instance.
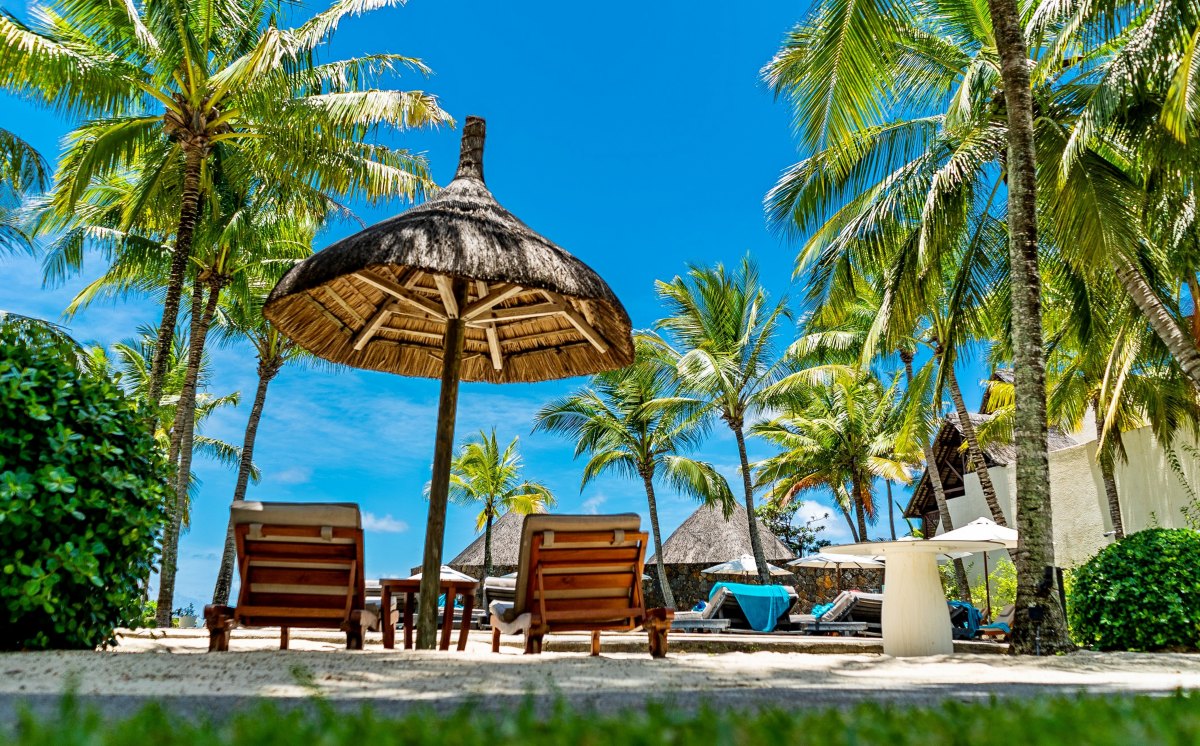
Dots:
(582, 572)
(300, 564)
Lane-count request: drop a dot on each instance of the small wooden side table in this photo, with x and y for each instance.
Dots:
(409, 588)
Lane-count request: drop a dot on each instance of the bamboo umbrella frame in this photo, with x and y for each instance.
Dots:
(456, 288)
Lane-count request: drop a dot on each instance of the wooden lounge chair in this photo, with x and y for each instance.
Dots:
(300, 565)
(580, 573)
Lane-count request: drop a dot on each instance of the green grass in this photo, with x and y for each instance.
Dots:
(1084, 721)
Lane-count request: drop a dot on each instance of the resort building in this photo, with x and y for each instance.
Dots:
(1155, 485)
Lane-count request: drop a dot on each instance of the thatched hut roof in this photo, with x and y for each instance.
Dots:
(380, 299)
(707, 537)
(506, 544)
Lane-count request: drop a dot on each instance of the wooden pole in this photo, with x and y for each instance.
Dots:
(439, 488)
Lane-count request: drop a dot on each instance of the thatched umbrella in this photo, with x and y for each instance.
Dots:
(456, 288)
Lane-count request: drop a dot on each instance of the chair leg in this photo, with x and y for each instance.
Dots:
(533, 644)
(283, 638)
(219, 620)
(657, 622)
(495, 639)
(355, 631)
(596, 642)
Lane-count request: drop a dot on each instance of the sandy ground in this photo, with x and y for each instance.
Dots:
(176, 669)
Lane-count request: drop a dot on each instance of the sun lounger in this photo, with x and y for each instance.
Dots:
(1001, 626)
(724, 604)
(867, 608)
(965, 620)
(300, 565)
(580, 573)
(501, 588)
(834, 620)
(696, 621)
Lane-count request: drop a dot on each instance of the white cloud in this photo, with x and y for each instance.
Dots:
(592, 504)
(293, 475)
(384, 525)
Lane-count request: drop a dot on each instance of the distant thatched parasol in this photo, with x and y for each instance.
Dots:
(459, 289)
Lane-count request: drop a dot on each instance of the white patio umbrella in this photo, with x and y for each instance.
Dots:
(827, 560)
(448, 573)
(984, 529)
(942, 558)
(743, 566)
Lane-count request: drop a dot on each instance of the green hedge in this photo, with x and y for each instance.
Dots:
(1140, 593)
(82, 494)
(1162, 721)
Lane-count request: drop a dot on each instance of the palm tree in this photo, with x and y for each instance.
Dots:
(239, 318)
(635, 423)
(244, 230)
(184, 90)
(844, 329)
(920, 173)
(129, 363)
(482, 474)
(721, 330)
(1105, 360)
(22, 170)
(840, 434)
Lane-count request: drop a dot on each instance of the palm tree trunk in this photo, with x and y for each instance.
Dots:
(850, 522)
(1110, 481)
(755, 541)
(487, 544)
(939, 495)
(1182, 349)
(664, 587)
(1194, 290)
(1035, 553)
(968, 429)
(184, 432)
(189, 213)
(266, 371)
(891, 509)
(860, 512)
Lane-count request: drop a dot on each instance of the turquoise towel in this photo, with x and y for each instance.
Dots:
(762, 604)
(820, 609)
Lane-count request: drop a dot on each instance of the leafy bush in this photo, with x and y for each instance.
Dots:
(82, 493)
(1044, 721)
(1141, 593)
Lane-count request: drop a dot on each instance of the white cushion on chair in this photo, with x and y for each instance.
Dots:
(519, 625)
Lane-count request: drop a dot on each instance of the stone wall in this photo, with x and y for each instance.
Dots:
(812, 586)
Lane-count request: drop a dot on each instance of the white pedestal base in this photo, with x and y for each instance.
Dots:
(916, 620)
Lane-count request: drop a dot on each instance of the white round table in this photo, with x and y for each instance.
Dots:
(916, 619)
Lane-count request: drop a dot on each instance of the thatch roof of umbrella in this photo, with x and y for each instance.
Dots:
(506, 544)
(457, 289)
(379, 299)
(707, 537)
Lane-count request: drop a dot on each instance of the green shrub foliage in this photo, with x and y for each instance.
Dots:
(82, 493)
(1141, 593)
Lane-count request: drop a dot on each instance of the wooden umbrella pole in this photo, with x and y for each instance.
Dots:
(439, 488)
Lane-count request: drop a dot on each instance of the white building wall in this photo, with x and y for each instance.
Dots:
(1151, 493)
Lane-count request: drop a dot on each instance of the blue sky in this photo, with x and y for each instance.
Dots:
(635, 135)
